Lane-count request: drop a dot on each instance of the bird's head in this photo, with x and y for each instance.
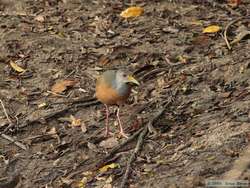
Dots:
(123, 77)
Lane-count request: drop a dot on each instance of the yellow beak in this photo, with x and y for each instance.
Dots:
(131, 79)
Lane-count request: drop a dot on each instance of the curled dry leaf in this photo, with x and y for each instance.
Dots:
(62, 85)
(211, 29)
(132, 12)
(16, 67)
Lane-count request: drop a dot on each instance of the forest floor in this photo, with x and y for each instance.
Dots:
(194, 93)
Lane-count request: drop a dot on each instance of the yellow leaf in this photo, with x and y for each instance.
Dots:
(106, 167)
(75, 122)
(16, 67)
(211, 29)
(132, 12)
(83, 182)
(42, 105)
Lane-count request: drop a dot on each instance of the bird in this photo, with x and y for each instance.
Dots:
(113, 87)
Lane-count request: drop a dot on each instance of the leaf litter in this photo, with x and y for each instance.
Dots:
(209, 90)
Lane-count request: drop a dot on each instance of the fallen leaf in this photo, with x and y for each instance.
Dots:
(75, 122)
(42, 105)
(39, 18)
(83, 128)
(16, 67)
(211, 29)
(109, 166)
(92, 147)
(109, 143)
(104, 60)
(240, 36)
(52, 131)
(83, 182)
(234, 3)
(107, 186)
(132, 12)
(66, 180)
(182, 59)
(62, 85)
(196, 22)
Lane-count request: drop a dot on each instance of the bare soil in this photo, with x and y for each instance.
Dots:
(203, 131)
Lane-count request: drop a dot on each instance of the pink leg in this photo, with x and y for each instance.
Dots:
(107, 120)
(120, 124)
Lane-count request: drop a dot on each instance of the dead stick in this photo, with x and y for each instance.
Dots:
(19, 144)
(57, 112)
(114, 150)
(5, 112)
(226, 30)
(133, 156)
(140, 144)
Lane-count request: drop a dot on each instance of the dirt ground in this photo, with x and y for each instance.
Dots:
(200, 85)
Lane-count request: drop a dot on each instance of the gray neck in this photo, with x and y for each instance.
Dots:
(122, 88)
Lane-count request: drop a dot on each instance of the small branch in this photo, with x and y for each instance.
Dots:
(19, 144)
(49, 115)
(140, 142)
(226, 30)
(5, 112)
(117, 148)
(133, 156)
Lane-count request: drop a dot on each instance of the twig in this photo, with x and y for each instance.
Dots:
(154, 71)
(133, 155)
(140, 142)
(226, 30)
(131, 138)
(5, 112)
(117, 148)
(19, 144)
(57, 112)
(240, 166)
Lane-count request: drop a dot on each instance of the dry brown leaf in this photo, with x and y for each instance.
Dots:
(234, 3)
(62, 85)
(211, 29)
(39, 18)
(132, 12)
(109, 143)
(92, 147)
(104, 60)
(52, 131)
(83, 127)
(16, 67)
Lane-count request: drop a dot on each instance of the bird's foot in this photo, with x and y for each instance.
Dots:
(123, 134)
(108, 133)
